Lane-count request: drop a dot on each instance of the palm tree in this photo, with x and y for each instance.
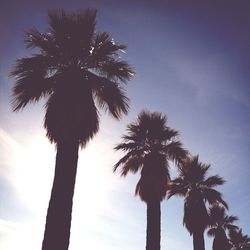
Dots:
(238, 240)
(219, 223)
(149, 145)
(197, 189)
(76, 68)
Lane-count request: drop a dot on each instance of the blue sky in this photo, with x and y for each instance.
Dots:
(192, 64)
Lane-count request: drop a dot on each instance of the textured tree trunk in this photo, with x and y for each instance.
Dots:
(153, 225)
(58, 221)
(198, 240)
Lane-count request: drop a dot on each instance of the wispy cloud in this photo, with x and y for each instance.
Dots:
(6, 225)
(15, 235)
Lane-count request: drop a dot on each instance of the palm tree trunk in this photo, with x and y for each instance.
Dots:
(153, 225)
(58, 221)
(220, 240)
(198, 240)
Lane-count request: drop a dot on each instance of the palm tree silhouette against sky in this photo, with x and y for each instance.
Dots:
(197, 188)
(76, 68)
(149, 145)
(219, 224)
(238, 240)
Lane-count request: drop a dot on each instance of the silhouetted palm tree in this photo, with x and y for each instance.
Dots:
(219, 224)
(197, 189)
(76, 68)
(149, 145)
(238, 240)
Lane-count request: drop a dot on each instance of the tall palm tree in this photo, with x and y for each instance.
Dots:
(149, 145)
(197, 189)
(77, 69)
(238, 240)
(219, 224)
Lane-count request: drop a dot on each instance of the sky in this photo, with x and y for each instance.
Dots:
(192, 64)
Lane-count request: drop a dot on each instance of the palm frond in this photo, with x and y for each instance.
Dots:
(231, 219)
(31, 81)
(111, 97)
(138, 187)
(217, 215)
(192, 170)
(203, 170)
(133, 164)
(213, 196)
(239, 240)
(213, 181)
(128, 146)
(177, 187)
(170, 134)
(211, 232)
(36, 63)
(116, 69)
(43, 41)
(68, 27)
(129, 137)
(104, 49)
(231, 227)
(123, 160)
(175, 151)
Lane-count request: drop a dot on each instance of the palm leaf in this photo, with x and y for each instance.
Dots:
(126, 146)
(133, 165)
(211, 232)
(31, 81)
(231, 219)
(213, 181)
(231, 227)
(116, 69)
(43, 41)
(104, 49)
(112, 98)
(177, 187)
(213, 196)
(125, 158)
(175, 151)
(70, 26)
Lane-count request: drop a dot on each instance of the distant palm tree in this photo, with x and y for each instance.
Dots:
(149, 145)
(76, 68)
(197, 189)
(238, 240)
(219, 224)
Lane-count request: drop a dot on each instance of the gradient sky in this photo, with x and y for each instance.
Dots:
(192, 61)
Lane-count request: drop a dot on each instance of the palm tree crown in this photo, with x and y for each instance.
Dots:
(197, 188)
(219, 223)
(219, 220)
(238, 240)
(149, 144)
(76, 67)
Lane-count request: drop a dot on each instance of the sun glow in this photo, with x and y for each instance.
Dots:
(93, 186)
(31, 162)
